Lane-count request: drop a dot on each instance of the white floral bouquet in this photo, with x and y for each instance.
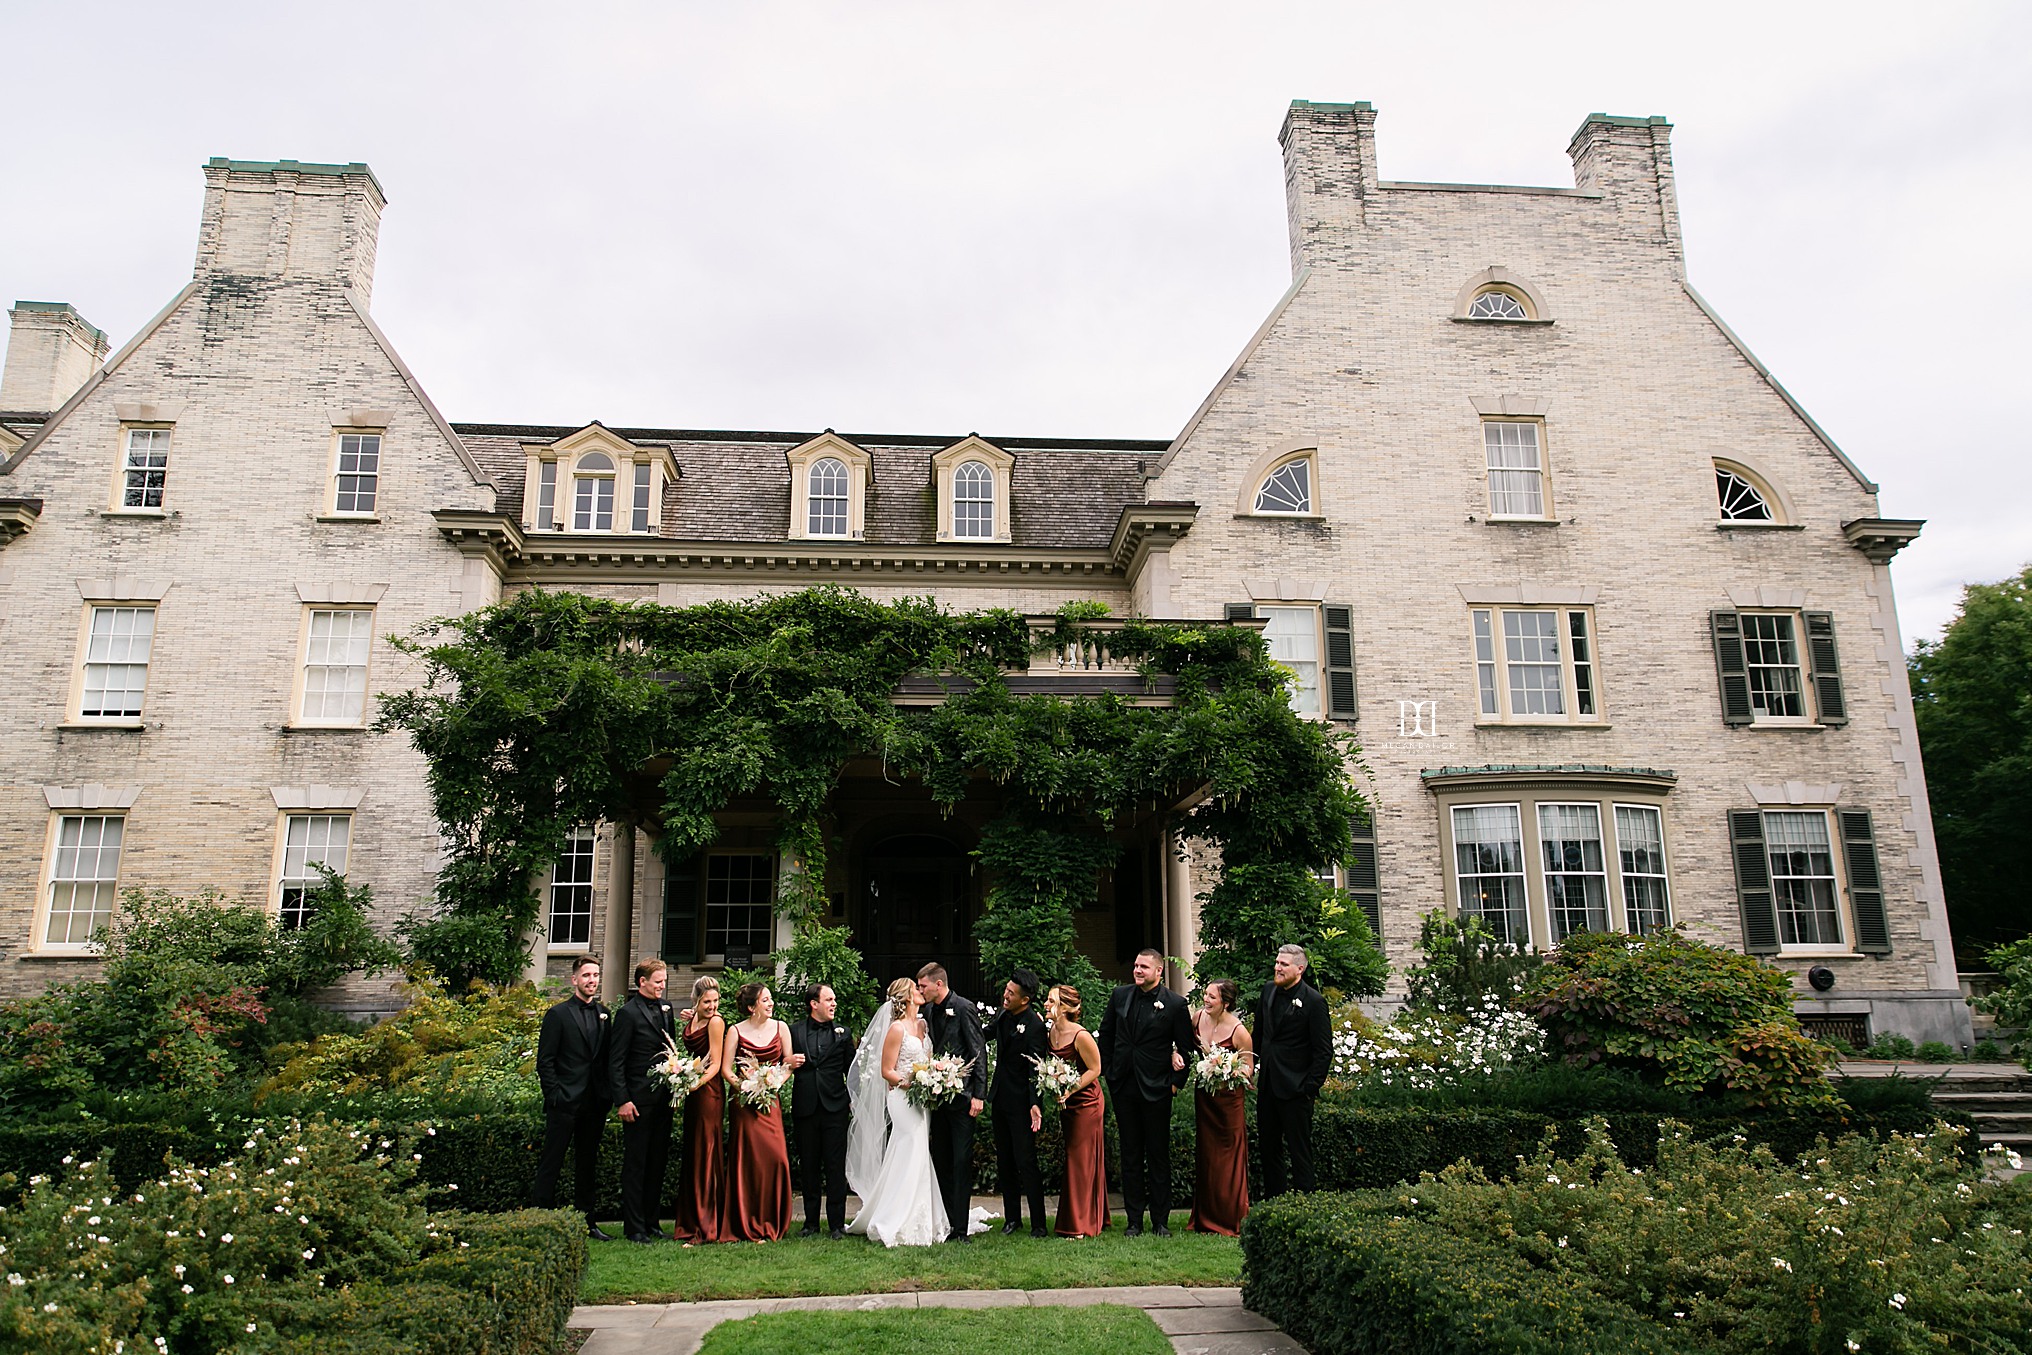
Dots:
(1220, 1070)
(679, 1073)
(935, 1081)
(1056, 1078)
(761, 1084)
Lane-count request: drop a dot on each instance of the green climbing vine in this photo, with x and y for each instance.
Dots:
(551, 710)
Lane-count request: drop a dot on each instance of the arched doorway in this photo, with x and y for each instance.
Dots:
(914, 903)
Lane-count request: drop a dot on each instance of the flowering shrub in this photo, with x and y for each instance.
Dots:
(1424, 1050)
(482, 1046)
(1463, 963)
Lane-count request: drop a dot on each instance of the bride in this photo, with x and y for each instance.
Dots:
(900, 1204)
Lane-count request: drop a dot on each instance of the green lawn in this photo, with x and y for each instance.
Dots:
(1104, 1329)
(667, 1272)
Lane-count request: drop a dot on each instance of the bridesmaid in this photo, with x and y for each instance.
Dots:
(757, 1207)
(1220, 1178)
(1083, 1203)
(698, 1211)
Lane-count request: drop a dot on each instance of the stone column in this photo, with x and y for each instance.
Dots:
(1181, 914)
(615, 960)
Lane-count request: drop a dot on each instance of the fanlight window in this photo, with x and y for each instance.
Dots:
(593, 493)
(974, 501)
(1741, 501)
(827, 511)
(1288, 489)
(1494, 305)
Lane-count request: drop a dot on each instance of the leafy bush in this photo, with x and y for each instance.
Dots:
(1464, 965)
(1936, 1051)
(1263, 905)
(1896, 1092)
(481, 1045)
(821, 954)
(1693, 1016)
(1891, 1047)
(2011, 1000)
(1986, 1051)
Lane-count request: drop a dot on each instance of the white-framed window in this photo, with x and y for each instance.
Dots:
(571, 891)
(1778, 668)
(827, 491)
(593, 493)
(740, 901)
(1535, 665)
(84, 876)
(336, 645)
(546, 496)
(1287, 489)
(1292, 633)
(309, 840)
(1496, 304)
(1488, 847)
(973, 502)
(357, 480)
(638, 512)
(1740, 498)
(1516, 464)
(1771, 655)
(1576, 873)
(144, 467)
(1640, 850)
(118, 641)
(1803, 889)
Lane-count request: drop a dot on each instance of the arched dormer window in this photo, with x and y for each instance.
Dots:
(1498, 296)
(972, 480)
(826, 498)
(1744, 498)
(1282, 482)
(593, 493)
(1287, 489)
(973, 502)
(1496, 304)
(594, 480)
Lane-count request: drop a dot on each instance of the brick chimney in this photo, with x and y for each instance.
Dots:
(1629, 162)
(51, 352)
(288, 219)
(1329, 171)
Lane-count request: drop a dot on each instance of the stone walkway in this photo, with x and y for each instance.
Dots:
(1198, 1321)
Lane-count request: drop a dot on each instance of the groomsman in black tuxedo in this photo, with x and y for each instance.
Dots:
(571, 1067)
(1294, 1049)
(1147, 1044)
(643, 1031)
(1019, 1036)
(955, 1026)
(820, 1050)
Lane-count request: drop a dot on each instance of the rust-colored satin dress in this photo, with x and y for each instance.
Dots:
(1220, 1176)
(698, 1212)
(758, 1160)
(1083, 1205)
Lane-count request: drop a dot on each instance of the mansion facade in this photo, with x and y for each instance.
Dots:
(1610, 614)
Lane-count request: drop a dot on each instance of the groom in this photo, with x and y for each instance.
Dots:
(1013, 1105)
(955, 1025)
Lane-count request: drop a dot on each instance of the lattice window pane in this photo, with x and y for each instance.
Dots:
(116, 662)
(309, 840)
(974, 501)
(1496, 306)
(571, 891)
(1640, 849)
(1771, 650)
(1288, 489)
(359, 472)
(1516, 475)
(1531, 658)
(146, 469)
(1740, 500)
(593, 510)
(1485, 663)
(1488, 847)
(826, 495)
(84, 877)
(335, 665)
(740, 898)
(1802, 878)
(1576, 876)
(1293, 637)
(638, 520)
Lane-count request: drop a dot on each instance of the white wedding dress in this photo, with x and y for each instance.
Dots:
(901, 1206)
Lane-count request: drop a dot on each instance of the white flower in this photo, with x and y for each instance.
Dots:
(225, 1237)
(250, 1326)
(228, 1279)
(1779, 1263)
(309, 1252)
(1158, 1006)
(1296, 1002)
(1854, 1344)
(1898, 1301)
(49, 1307)
(188, 1290)
(15, 1280)
(93, 1220)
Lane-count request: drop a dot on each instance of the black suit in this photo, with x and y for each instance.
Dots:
(955, 1025)
(1139, 1031)
(643, 1030)
(1294, 1049)
(818, 1102)
(571, 1067)
(1019, 1038)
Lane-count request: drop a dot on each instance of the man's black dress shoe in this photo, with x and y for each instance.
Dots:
(1012, 1227)
(1160, 1230)
(598, 1234)
(1133, 1230)
(838, 1235)
(959, 1237)
(809, 1230)
(1040, 1231)
(644, 1239)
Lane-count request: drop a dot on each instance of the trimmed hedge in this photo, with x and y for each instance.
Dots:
(1342, 1277)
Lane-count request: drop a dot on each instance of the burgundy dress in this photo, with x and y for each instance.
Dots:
(698, 1211)
(1220, 1177)
(1083, 1205)
(757, 1207)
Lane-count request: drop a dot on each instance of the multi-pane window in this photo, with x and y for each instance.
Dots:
(546, 495)
(593, 493)
(826, 498)
(1741, 501)
(1802, 878)
(1771, 653)
(1576, 876)
(145, 468)
(1516, 469)
(740, 893)
(1288, 489)
(1293, 637)
(638, 517)
(974, 502)
(308, 841)
(1533, 664)
(359, 476)
(116, 662)
(83, 877)
(571, 891)
(1497, 306)
(335, 665)
(1640, 848)
(1488, 851)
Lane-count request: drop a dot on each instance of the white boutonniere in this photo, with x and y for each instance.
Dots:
(839, 1030)
(1297, 1002)
(603, 1016)
(1019, 1027)
(1158, 1006)
(666, 1006)
(948, 1011)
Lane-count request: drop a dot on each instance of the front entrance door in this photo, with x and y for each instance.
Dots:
(916, 906)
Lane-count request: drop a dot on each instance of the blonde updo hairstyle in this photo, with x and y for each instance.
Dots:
(900, 993)
(1068, 1000)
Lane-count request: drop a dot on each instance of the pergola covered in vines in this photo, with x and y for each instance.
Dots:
(1061, 738)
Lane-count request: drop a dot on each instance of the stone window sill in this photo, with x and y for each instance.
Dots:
(1487, 723)
(1783, 727)
(1494, 320)
(1753, 525)
(348, 517)
(133, 513)
(1282, 517)
(43, 956)
(1512, 520)
(115, 726)
(322, 729)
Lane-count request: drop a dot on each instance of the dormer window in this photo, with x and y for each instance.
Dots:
(1287, 489)
(826, 507)
(596, 481)
(829, 483)
(972, 479)
(973, 502)
(593, 493)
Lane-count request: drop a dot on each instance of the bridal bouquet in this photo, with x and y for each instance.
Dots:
(935, 1081)
(1220, 1070)
(761, 1084)
(679, 1073)
(1055, 1077)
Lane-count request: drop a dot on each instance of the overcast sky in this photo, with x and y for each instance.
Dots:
(1044, 218)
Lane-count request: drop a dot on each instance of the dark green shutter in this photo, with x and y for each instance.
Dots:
(680, 913)
(1829, 703)
(1866, 882)
(1753, 882)
(1360, 871)
(1239, 611)
(1340, 660)
(1731, 667)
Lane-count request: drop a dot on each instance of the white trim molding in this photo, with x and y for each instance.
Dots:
(1795, 793)
(93, 797)
(342, 594)
(1790, 599)
(316, 799)
(1529, 594)
(122, 588)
